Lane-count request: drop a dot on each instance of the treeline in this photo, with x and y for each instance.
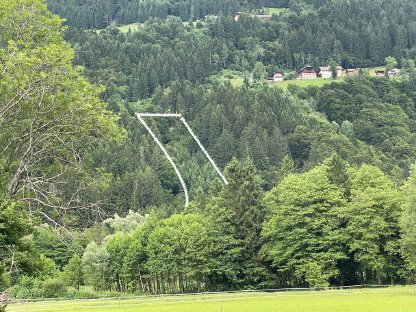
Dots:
(99, 14)
(306, 34)
(335, 224)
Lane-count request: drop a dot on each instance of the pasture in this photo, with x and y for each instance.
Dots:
(278, 11)
(397, 299)
(318, 82)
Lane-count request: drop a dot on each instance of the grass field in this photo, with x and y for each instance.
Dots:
(125, 28)
(319, 82)
(277, 11)
(393, 299)
(132, 27)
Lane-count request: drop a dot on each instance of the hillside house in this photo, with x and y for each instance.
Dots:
(308, 72)
(380, 73)
(393, 72)
(326, 72)
(261, 16)
(277, 76)
(352, 71)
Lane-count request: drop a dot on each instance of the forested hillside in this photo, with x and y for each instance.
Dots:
(102, 13)
(321, 179)
(350, 32)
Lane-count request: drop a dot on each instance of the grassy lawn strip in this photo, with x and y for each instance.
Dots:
(398, 299)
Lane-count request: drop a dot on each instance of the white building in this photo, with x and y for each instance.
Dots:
(326, 72)
(277, 76)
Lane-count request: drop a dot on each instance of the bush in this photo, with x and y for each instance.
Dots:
(28, 288)
(53, 288)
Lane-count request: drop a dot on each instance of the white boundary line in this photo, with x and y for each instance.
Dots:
(205, 151)
(185, 190)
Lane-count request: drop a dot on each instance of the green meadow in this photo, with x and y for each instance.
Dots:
(318, 82)
(397, 299)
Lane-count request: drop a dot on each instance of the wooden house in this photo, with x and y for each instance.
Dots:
(277, 76)
(308, 72)
(380, 72)
(352, 71)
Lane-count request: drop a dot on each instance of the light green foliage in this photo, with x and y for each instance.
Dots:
(314, 275)
(373, 215)
(180, 251)
(49, 111)
(136, 257)
(45, 268)
(73, 274)
(287, 167)
(408, 220)
(127, 224)
(333, 68)
(391, 63)
(117, 247)
(259, 71)
(53, 288)
(14, 251)
(302, 233)
(95, 265)
(347, 129)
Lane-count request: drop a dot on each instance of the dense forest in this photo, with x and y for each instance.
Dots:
(321, 179)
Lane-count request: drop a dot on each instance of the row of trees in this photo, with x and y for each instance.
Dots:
(335, 224)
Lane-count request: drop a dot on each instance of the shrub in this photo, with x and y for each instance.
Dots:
(53, 288)
(27, 288)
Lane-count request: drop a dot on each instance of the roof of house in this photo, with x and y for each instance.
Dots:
(328, 68)
(308, 69)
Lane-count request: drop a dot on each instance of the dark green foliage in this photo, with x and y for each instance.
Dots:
(102, 13)
(53, 288)
(380, 112)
